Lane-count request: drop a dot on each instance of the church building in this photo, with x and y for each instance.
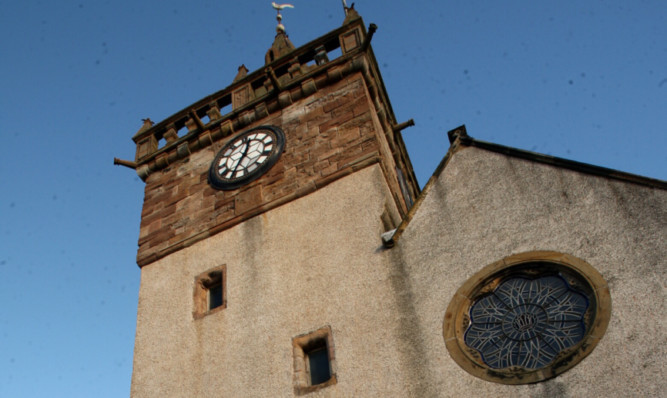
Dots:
(287, 250)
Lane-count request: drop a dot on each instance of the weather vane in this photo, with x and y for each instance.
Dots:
(279, 17)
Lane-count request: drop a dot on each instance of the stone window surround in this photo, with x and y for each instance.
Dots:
(202, 284)
(300, 345)
(455, 322)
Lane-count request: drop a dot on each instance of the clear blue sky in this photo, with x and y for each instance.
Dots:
(584, 80)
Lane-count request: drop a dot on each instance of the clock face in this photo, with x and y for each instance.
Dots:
(246, 157)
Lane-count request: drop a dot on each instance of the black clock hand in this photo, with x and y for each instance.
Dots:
(245, 152)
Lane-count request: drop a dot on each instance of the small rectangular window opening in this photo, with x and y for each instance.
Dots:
(318, 363)
(209, 292)
(314, 361)
(215, 296)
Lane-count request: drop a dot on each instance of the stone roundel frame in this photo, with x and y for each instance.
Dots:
(577, 271)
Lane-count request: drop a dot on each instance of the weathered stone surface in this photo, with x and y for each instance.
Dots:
(301, 250)
(486, 206)
(314, 261)
(325, 133)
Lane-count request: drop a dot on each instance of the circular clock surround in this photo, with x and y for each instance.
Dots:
(527, 318)
(246, 156)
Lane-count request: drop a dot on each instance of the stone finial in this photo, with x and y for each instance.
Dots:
(148, 123)
(243, 72)
(350, 13)
(458, 133)
(281, 44)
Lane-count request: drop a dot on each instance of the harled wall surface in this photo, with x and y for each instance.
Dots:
(313, 262)
(484, 207)
(317, 261)
(329, 135)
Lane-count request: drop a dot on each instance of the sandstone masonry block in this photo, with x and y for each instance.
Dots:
(325, 133)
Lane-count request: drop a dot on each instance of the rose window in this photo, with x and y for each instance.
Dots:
(526, 322)
(527, 317)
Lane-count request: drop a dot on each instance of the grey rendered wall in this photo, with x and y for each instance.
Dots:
(486, 206)
(313, 262)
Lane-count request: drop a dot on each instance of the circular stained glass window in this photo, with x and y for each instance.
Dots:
(527, 318)
(527, 322)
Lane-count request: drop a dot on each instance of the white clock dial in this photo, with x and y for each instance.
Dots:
(246, 156)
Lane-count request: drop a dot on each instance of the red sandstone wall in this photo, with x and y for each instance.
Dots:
(328, 135)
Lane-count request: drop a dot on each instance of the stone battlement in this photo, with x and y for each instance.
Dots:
(293, 76)
(328, 98)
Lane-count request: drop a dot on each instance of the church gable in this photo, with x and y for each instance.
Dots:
(496, 218)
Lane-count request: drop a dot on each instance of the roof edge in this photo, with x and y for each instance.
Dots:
(459, 139)
(461, 135)
(389, 239)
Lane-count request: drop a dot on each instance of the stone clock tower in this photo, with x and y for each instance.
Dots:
(286, 250)
(259, 246)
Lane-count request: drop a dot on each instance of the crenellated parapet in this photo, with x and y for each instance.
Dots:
(289, 78)
(326, 96)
